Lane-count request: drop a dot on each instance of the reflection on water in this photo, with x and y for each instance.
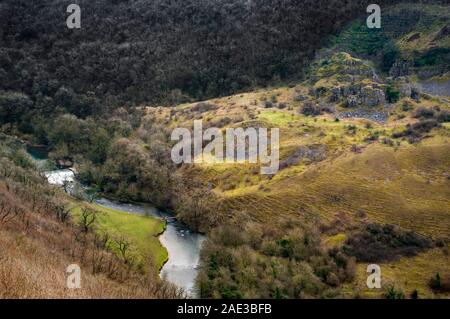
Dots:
(182, 245)
(184, 256)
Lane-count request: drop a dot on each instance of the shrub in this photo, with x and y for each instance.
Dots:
(406, 106)
(268, 104)
(270, 261)
(13, 106)
(440, 283)
(422, 112)
(435, 282)
(321, 91)
(351, 129)
(392, 94)
(204, 107)
(416, 131)
(443, 116)
(376, 243)
(424, 126)
(390, 54)
(393, 293)
(388, 141)
(282, 105)
(311, 109)
(372, 137)
(432, 57)
(435, 113)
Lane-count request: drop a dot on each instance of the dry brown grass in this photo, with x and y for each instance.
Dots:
(29, 270)
(407, 187)
(36, 250)
(407, 274)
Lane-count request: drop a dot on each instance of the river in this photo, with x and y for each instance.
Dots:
(183, 246)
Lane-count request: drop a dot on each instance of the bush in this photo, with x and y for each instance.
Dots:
(268, 104)
(204, 107)
(440, 284)
(422, 112)
(416, 131)
(388, 141)
(406, 106)
(376, 243)
(286, 260)
(432, 57)
(392, 94)
(372, 137)
(311, 109)
(13, 106)
(443, 116)
(393, 293)
(435, 282)
(435, 113)
(390, 54)
(424, 126)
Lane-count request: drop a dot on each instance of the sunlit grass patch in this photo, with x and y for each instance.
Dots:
(141, 231)
(407, 274)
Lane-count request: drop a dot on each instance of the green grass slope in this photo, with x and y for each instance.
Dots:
(141, 232)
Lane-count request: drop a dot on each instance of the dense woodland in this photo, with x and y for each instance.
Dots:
(132, 52)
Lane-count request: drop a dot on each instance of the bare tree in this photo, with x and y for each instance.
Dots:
(66, 185)
(8, 210)
(198, 208)
(88, 218)
(124, 249)
(102, 240)
(62, 211)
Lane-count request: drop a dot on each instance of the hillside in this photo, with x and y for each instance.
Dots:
(359, 147)
(40, 240)
(364, 120)
(139, 51)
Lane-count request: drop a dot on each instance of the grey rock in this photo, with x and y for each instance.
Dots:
(352, 101)
(372, 96)
(300, 98)
(380, 117)
(400, 68)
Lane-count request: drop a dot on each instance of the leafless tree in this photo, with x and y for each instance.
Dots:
(62, 212)
(88, 218)
(124, 249)
(9, 210)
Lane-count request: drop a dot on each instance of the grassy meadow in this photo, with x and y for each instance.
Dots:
(140, 231)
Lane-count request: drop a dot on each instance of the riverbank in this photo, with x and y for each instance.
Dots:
(142, 232)
(182, 244)
(158, 241)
